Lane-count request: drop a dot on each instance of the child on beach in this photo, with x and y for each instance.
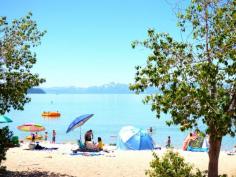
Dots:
(100, 144)
(53, 136)
(46, 136)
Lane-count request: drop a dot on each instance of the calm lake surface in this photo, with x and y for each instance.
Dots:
(111, 113)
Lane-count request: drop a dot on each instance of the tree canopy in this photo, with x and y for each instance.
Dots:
(195, 80)
(16, 61)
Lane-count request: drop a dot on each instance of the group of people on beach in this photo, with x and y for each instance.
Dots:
(150, 131)
(36, 136)
(90, 144)
(197, 136)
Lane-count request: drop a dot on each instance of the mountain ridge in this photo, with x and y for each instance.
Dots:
(110, 88)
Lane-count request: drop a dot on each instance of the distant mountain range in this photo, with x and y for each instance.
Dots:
(36, 91)
(111, 88)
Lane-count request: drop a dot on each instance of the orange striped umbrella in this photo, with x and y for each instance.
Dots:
(31, 127)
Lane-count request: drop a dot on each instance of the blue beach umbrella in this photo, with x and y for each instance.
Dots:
(5, 119)
(78, 122)
(131, 138)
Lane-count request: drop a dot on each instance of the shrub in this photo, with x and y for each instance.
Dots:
(172, 165)
(5, 142)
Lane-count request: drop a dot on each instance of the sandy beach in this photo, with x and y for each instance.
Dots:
(113, 164)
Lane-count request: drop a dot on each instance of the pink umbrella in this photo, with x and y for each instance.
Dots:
(31, 127)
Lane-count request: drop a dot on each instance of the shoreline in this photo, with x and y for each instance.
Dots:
(113, 164)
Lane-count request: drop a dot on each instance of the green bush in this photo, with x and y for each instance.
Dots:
(5, 143)
(172, 165)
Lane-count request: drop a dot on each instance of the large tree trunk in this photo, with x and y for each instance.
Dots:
(214, 151)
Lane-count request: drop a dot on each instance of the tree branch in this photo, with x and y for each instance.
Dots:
(232, 104)
(207, 31)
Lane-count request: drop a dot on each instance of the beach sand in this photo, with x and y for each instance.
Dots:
(114, 164)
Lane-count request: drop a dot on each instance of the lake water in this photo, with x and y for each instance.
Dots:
(111, 113)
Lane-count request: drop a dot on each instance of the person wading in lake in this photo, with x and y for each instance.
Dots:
(54, 136)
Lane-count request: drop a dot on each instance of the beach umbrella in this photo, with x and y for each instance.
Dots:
(5, 119)
(31, 127)
(78, 122)
(131, 138)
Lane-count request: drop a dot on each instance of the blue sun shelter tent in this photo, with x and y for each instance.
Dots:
(131, 138)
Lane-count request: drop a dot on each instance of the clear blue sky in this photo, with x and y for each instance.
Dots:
(89, 42)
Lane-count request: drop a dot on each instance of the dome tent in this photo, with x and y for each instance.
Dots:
(131, 138)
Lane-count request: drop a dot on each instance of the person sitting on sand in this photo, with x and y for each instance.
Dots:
(39, 147)
(187, 140)
(88, 139)
(90, 145)
(99, 144)
(95, 147)
(88, 135)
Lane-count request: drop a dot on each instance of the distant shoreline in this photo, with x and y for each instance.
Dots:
(89, 93)
(111, 88)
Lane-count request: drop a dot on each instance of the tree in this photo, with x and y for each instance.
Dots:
(196, 82)
(16, 61)
(5, 141)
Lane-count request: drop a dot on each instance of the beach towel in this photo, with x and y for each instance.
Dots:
(46, 149)
(85, 150)
(87, 153)
(39, 147)
(157, 148)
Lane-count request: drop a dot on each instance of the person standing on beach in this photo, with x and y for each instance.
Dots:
(168, 143)
(46, 136)
(150, 131)
(53, 136)
(33, 137)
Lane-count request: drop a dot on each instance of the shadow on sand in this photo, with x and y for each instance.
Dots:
(31, 174)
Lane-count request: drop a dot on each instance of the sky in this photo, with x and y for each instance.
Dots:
(88, 42)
